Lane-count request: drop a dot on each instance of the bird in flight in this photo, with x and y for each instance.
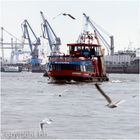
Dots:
(45, 121)
(110, 103)
(64, 14)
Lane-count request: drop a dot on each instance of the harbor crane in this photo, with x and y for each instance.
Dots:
(34, 50)
(54, 41)
(99, 37)
(15, 47)
(110, 47)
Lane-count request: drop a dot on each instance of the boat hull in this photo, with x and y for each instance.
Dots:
(10, 69)
(76, 76)
(120, 69)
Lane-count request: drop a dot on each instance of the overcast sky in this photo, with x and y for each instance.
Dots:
(118, 17)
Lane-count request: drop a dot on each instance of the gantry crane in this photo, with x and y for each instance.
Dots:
(99, 37)
(13, 46)
(33, 45)
(110, 47)
(54, 41)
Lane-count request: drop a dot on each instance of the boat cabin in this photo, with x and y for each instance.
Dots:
(83, 50)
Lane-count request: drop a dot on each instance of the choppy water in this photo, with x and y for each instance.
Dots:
(80, 113)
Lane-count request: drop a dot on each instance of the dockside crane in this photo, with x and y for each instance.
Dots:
(54, 41)
(95, 27)
(16, 46)
(99, 37)
(26, 27)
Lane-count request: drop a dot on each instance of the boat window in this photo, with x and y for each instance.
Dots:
(86, 52)
(64, 67)
(92, 51)
(70, 67)
(83, 68)
(89, 68)
(71, 48)
(77, 48)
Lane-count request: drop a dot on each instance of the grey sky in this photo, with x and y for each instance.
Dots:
(119, 18)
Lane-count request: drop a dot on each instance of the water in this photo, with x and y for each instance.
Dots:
(80, 113)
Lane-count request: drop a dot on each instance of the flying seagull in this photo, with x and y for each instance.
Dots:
(110, 103)
(45, 121)
(64, 14)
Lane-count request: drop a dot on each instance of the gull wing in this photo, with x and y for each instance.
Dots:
(71, 16)
(103, 93)
(58, 15)
(119, 102)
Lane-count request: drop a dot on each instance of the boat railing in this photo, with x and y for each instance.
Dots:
(66, 59)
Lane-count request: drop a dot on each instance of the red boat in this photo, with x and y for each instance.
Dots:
(84, 62)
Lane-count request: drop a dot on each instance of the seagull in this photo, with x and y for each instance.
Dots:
(45, 121)
(64, 14)
(110, 103)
